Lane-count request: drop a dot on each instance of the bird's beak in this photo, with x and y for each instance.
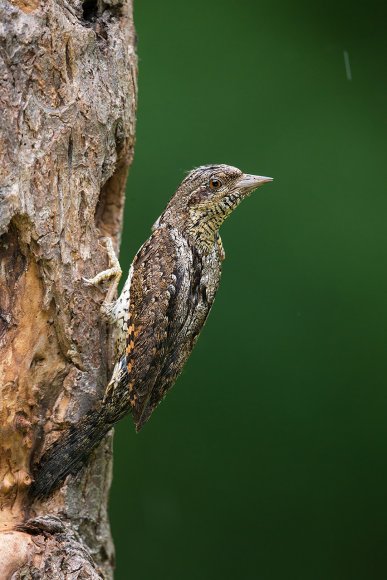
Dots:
(247, 183)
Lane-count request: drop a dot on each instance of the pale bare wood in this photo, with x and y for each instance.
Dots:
(67, 106)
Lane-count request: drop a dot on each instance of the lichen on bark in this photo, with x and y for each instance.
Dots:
(68, 75)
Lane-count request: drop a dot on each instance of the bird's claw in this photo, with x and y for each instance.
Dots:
(89, 281)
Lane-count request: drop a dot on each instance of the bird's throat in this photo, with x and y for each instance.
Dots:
(205, 220)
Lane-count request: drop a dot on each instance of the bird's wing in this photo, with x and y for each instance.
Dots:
(159, 292)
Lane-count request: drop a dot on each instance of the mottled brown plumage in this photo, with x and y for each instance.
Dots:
(162, 308)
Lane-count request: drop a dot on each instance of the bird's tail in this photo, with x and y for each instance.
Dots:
(69, 453)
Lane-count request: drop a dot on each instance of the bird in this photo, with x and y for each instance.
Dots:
(158, 316)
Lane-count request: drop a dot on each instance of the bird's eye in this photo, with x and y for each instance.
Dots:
(215, 183)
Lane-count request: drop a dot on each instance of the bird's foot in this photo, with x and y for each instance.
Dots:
(114, 270)
(112, 273)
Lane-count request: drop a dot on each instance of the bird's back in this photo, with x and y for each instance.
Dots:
(172, 289)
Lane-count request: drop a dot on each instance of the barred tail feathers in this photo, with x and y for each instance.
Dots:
(69, 453)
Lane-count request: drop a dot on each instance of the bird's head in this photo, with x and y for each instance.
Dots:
(205, 198)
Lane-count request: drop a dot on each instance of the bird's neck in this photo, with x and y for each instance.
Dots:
(202, 225)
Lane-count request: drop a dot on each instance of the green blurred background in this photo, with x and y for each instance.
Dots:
(268, 458)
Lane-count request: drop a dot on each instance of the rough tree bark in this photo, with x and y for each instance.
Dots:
(67, 106)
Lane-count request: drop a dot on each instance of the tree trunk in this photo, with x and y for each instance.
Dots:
(67, 105)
